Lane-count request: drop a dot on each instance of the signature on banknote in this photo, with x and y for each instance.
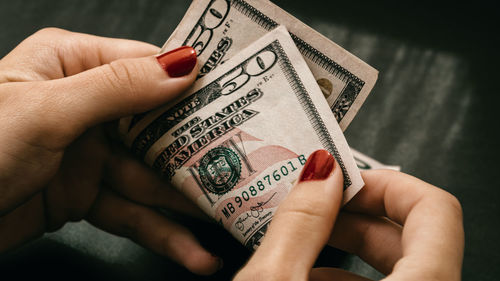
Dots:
(255, 212)
(259, 208)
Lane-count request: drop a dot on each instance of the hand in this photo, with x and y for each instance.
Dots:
(57, 164)
(402, 226)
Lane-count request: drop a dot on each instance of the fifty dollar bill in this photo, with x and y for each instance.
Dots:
(236, 142)
(218, 29)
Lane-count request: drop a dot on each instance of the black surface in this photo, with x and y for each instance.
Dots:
(433, 111)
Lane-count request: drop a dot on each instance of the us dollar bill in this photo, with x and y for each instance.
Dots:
(364, 162)
(218, 29)
(236, 142)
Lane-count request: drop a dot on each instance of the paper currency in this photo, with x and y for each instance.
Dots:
(218, 29)
(236, 142)
(365, 162)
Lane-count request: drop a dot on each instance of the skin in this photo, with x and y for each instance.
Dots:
(402, 226)
(60, 161)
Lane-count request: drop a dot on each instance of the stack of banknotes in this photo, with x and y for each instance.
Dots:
(270, 91)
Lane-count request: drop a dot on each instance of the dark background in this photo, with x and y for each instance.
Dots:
(433, 111)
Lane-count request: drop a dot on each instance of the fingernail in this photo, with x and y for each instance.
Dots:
(220, 263)
(318, 166)
(178, 62)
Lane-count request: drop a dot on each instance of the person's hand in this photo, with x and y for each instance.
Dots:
(57, 165)
(402, 226)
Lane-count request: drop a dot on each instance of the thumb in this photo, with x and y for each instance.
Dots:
(303, 222)
(120, 88)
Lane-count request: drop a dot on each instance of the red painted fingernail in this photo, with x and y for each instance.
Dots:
(178, 62)
(318, 166)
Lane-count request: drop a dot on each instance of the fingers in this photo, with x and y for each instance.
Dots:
(71, 192)
(330, 274)
(22, 224)
(432, 238)
(121, 88)
(302, 224)
(392, 194)
(84, 51)
(141, 184)
(53, 53)
(376, 240)
(150, 229)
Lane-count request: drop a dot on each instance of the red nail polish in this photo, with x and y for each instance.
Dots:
(178, 62)
(318, 166)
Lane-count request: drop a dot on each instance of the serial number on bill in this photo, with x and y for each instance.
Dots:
(264, 183)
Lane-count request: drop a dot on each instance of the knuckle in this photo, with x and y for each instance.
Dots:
(174, 235)
(171, 242)
(49, 32)
(303, 214)
(364, 236)
(386, 173)
(445, 199)
(302, 202)
(133, 224)
(453, 202)
(390, 173)
(121, 77)
(304, 210)
(167, 243)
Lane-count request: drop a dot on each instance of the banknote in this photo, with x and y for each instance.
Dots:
(364, 162)
(218, 29)
(236, 142)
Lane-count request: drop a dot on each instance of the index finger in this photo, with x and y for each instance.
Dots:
(302, 224)
(432, 238)
(53, 53)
